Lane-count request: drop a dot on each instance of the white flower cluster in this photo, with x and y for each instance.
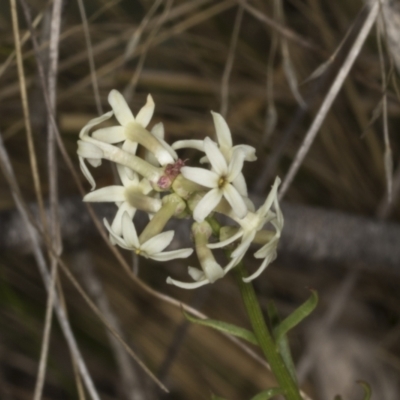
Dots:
(161, 185)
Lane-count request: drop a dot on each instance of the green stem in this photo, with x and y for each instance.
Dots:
(264, 337)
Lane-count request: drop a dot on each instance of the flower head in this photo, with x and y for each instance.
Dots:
(219, 180)
(132, 131)
(250, 225)
(133, 194)
(152, 248)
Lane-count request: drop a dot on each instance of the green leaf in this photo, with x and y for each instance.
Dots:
(283, 344)
(214, 397)
(268, 394)
(296, 316)
(337, 397)
(367, 390)
(224, 327)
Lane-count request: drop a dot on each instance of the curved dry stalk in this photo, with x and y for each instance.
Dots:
(90, 57)
(130, 88)
(53, 196)
(330, 97)
(229, 62)
(25, 107)
(180, 27)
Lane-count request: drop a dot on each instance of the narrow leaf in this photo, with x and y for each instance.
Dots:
(214, 397)
(268, 394)
(297, 316)
(367, 390)
(224, 327)
(283, 345)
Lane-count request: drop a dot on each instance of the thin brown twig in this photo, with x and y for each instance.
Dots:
(229, 61)
(330, 97)
(92, 66)
(130, 88)
(25, 107)
(53, 196)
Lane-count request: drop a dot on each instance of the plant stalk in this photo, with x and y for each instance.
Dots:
(264, 337)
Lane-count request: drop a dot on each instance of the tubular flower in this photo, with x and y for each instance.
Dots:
(152, 248)
(219, 180)
(132, 195)
(133, 130)
(224, 139)
(211, 270)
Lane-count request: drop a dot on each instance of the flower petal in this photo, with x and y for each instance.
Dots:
(244, 245)
(196, 274)
(263, 210)
(222, 130)
(212, 270)
(158, 130)
(127, 180)
(118, 240)
(225, 242)
(109, 193)
(89, 150)
(112, 134)
(86, 173)
(240, 185)
(121, 109)
(143, 117)
(189, 144)
(187, 285)
(235, 165)
(207, 204)
(201, 176)
(171, 255)
(249, 151)
(260, 269)
(235, 200)
(157, 243)
(93, 122)
(129, 232)
(116, 225)
(217, 160)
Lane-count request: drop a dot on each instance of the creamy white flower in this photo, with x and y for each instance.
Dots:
(152, 248)
(250, 225)
(269, 250)
(211, 270)
(133, 130)
(219, 180)
(226, 147)
(132, 195)
(89, 151)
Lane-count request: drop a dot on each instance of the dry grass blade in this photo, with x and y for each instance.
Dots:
(25, 106)
(229, 62)
(177, 29)
(271, 117)
(330, 97)
(54, 220)
(130, 88)
(137, 34)
(11, 57)
(388, 158)
(90, 57)
(287, 62)
(287, 33)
